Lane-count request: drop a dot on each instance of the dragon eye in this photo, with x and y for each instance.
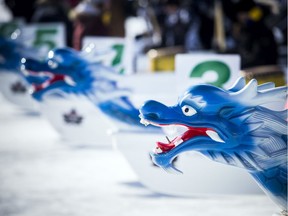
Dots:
(52, 64)
(188, 110)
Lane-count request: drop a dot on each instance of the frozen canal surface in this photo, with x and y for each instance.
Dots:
(40, 175)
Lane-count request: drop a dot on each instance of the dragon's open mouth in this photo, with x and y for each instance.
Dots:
(190, 133)
(52, 78)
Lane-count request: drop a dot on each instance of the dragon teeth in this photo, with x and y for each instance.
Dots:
(178, 142)
(69, 80)
(158, 150)
(214, 136)
(45, 85)
(144, 121)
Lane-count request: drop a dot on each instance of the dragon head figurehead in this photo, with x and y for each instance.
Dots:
(234, 126)
(65, 70)
(68, 71)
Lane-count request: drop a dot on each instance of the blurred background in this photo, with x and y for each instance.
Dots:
(254, 29)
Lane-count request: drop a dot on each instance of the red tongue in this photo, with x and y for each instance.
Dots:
(56, 78)
(192, 132)
(165, 147)
(48, 82)
(38, 88)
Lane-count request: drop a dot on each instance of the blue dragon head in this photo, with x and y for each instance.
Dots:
(234, 126)
(11, 53)
(65, 71)
(70, 73)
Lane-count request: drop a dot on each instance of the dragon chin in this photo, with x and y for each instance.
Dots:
(165, 159)
(190, 133)
(165, 162)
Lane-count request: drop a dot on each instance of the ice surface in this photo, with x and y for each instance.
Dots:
(40, 175)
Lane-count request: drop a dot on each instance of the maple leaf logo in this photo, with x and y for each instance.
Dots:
(18, 87)
(73, 117)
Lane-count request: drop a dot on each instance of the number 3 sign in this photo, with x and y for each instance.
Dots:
(217, 69)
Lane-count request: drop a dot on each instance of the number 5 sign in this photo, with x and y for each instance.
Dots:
(217, 69)
(45, 36)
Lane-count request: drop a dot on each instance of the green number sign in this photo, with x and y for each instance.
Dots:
(44, 37)
(119, 48)
(220, 68)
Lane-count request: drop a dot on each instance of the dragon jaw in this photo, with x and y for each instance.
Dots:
(189, 133)
(65, 71)
(43, 78)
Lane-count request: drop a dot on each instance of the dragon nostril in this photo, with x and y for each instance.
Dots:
(152, 115)
(152, 110)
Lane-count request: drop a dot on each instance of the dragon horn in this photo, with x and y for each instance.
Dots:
(238, 85)
(264, 86)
